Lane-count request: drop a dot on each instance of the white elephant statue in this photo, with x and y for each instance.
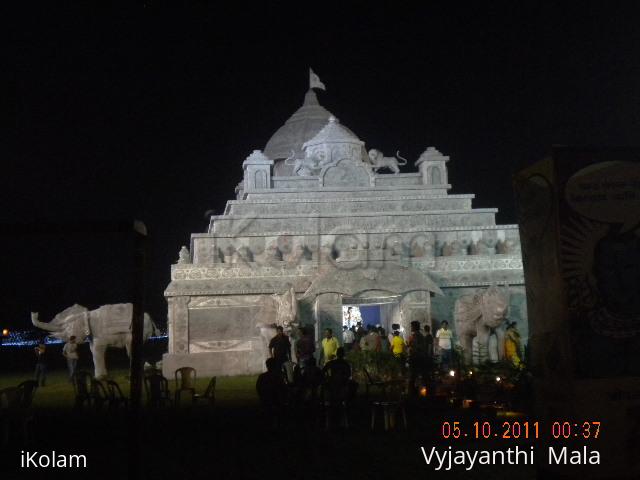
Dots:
(106, 326)
(478, 316)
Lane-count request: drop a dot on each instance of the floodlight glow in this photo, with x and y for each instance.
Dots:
(498, 379)
(452, 373)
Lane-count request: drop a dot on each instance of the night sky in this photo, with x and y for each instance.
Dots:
(147, 113)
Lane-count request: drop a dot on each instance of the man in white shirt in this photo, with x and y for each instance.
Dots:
(70, 352)
(371, 341)
(445, 337)
(348, 337)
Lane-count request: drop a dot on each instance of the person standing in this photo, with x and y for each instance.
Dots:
(444, 336)
(348, 337)
(305, 347)
(280, 348)
(350, 320)
(394, 328)
(397, 345)
(70, 352)
(329, 346)
(360, 332)
(417, 356)
(384, 341)
(272, 392)
(41, 364)
(512, 345)
(428, 342)
(371, 341)
(338, 382)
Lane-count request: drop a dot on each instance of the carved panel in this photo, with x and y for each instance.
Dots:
(224, 323)
(346, 172)
(260, 179)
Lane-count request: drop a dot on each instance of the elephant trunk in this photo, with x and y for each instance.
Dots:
(42, 325)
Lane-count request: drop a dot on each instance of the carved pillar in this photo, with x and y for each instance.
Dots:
(432, 165)
(178, 324)
(328, 314)
(257, 172)
(416, 306)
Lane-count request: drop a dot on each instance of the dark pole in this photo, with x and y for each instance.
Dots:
(137, 328)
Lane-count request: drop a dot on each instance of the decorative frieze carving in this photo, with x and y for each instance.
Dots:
(380, 204)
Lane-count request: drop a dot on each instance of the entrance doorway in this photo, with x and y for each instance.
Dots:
(376, 312)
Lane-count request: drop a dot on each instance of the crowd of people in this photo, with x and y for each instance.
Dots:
(418, 354)
(414, 352)
(416, 345)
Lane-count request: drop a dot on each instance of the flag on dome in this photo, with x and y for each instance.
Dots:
(314, 81)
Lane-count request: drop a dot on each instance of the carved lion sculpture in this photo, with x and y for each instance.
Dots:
(378, 160)
(305, 167)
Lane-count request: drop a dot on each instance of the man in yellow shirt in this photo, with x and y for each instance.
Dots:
(397, 344)
(329, 346)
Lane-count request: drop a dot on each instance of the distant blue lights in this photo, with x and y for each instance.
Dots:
(25, 338)
(29, 338)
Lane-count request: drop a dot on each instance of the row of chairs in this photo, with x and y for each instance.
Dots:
(15, 411)
(96, 394)
(158, 393)
(385, 398)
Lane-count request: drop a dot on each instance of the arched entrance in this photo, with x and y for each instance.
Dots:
(402, 294)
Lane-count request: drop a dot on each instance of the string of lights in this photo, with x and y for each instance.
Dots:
(30, 338)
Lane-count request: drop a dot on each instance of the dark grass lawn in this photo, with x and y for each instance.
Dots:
(58, 391)
(234, 440)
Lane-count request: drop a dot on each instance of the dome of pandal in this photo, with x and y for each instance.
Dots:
(301, 127)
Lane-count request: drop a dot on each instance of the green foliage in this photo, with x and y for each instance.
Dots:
(380, 365)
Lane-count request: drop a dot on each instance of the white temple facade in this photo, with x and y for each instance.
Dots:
(320, 222)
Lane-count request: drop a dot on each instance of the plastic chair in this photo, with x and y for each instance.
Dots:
(157, 389)
(27, 392)
(185, 382)
(82, 388)
(115, 395)
(371, 383)
(209, 394)
(391, 406)
(9, 407)
(98, 394)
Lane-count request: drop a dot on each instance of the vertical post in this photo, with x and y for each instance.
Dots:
(317, 340)
(137, 333)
